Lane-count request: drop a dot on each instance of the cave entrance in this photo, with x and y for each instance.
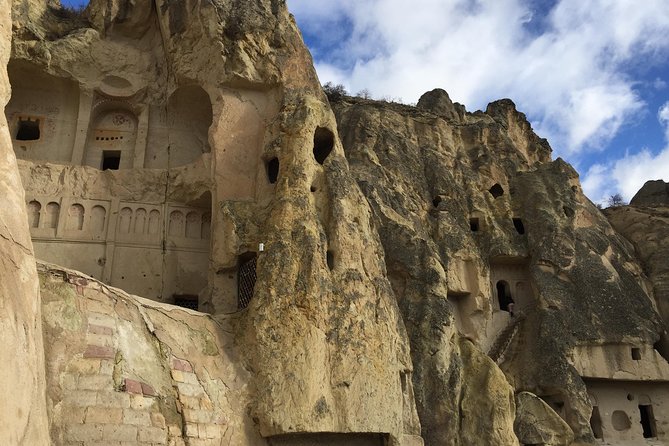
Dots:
(504, 296)
(596, 423)
(647, 421)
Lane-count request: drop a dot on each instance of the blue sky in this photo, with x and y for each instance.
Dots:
(592, 76)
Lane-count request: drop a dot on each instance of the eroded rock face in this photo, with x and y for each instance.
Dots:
(474, 216)
(383, 273)
(537, 423)
(653, 193)
(23, 385)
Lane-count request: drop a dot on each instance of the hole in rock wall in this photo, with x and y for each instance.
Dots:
(436, 201)
(111, 159)
(474, 224)
(620, 420)
(28, 129)
(246, 279)
(272, 167)
(636, 353)
(330, 258)
(569, 212)
(323, 144)
(518, 224)
(186, 300)
(496, 190)
(504, 296)
(596, 423)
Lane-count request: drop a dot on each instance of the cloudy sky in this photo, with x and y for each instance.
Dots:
(592, 76)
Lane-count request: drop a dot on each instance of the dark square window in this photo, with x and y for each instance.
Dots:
(28, 130)
(111, 159)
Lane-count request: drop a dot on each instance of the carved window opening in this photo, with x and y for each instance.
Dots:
(518, 224)
(496, 190)
(28, 130)
(474, 224)
(636, 353)
(273, 170)
(504, 295)
(436, 201)
(52, 214)
(186, 301)
(111, 159)
(596, 423)
(323, 144)
(246, 279)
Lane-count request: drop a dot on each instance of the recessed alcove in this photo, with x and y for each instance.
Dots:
(272, 167)
(323, 144)
(474, 225)
(518, 225)
(42, 113)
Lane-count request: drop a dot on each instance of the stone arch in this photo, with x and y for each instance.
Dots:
(75, 217)
(34, 210)
(125, 219)
(193, 225)
(189, 116)
(52, 214)
(176, 227)
(98, 215)
(154, 222)
(111, 136)
(140, 221)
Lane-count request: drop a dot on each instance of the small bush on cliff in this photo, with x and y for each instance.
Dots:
(334, 92)
(616, 200)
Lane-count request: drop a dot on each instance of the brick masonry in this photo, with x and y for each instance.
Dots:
(99, 408)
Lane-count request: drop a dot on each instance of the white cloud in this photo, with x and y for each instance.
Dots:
(565, 70)
(627, 174)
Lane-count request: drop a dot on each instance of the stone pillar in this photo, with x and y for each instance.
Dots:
(83, 120)
(140, 142)
(23, 387)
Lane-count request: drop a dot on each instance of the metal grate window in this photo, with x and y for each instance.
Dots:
(246, 281)
(186, 301)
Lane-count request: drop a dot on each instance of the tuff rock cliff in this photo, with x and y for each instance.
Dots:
(366, 273)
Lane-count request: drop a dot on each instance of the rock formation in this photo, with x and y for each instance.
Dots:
(365, 273)
(23, 385)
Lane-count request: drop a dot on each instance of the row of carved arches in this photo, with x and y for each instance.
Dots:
(48, 217)
(192, 225)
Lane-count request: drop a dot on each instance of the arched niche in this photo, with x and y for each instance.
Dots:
(179, 133)
(111, 136)
(42, 113)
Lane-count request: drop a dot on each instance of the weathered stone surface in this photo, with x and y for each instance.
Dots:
(653, 193)
(450, 202)
(384, 273)
(22, 406)
(537, 423)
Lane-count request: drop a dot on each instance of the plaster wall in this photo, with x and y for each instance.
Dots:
(54, 101)
(624, 396)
